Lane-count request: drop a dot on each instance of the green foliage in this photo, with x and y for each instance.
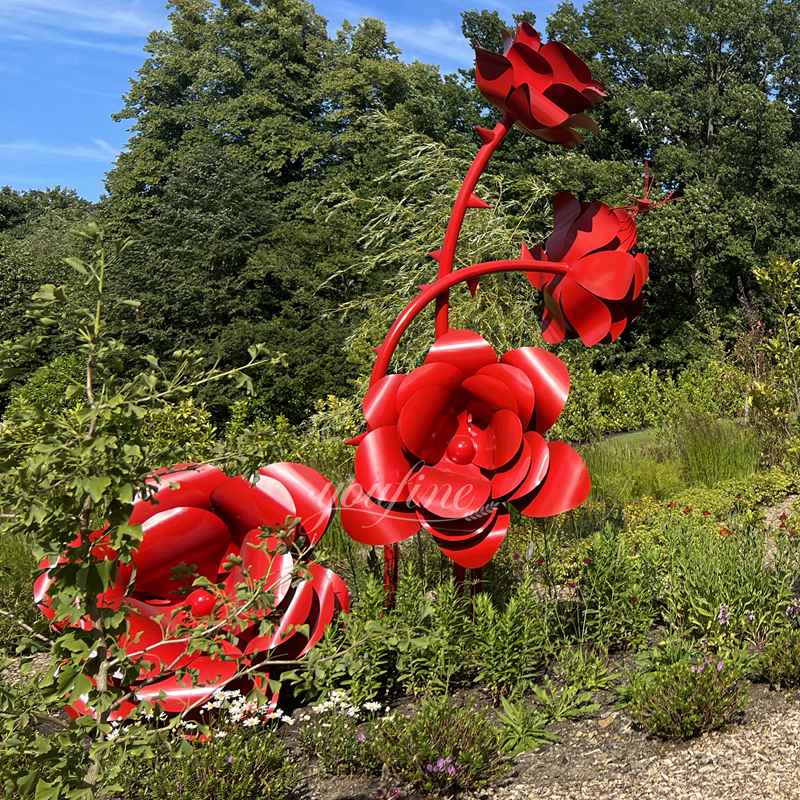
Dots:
(681, 693)
(618, 592)
(76, 470)
(17, 574)
(234, 764)
(364, 660)
(779, 662)
(522, 727)
(713, 450)
(511, 643)
(340, 737)
(444, 748)
(559, 703)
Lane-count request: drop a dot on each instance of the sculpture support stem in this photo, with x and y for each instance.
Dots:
(460, 206)
(442, 287)
(399, 327)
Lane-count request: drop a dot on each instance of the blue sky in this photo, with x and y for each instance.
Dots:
(65, 64)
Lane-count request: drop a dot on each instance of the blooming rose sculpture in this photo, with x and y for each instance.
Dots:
(257, 605)
(452, 445)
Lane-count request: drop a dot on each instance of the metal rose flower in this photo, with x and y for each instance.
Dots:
(200, 522)
(601, 291)
(451, 444)
(545, 88)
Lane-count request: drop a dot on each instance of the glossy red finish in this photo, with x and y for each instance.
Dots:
(463, 440)
(545, 88)
(601, 291)
(191, 527)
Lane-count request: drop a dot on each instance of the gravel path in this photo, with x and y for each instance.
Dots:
(607, 758)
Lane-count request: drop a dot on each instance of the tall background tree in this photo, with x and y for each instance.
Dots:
(261, 182)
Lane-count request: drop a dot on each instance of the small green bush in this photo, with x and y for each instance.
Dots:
(779, 662)
(512, 643)
(617, 591)
(340, 737)
(17, 574)
(685, 694)
(239, 766)
(443, 749)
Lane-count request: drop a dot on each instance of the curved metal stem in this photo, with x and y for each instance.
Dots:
(441, 288)
(460, 206)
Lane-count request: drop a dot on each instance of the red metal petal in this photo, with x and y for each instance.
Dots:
(550, 380)
(490, 393)
(540, 463)
(295, 615)
(373, 524)
(493, 76)
(244, 505)
(567, 208)
(179, 486)
(627, 228)
(381, 466)
(528, 35)
(507, 480)
(328, 587)
(596, 228)
(507, 430)
(179, 694)
(464, 349)
(570, 69)
(566, 486)
(607, 274)
(641, 273)
(587, 314)
(439, 374)
(380, 401)
(146, 643)
(180, 538)
(450, 531)
(473, 555)
(262, 563)
(520, 386)
(314, 496)
(427, 423)
(451, 494)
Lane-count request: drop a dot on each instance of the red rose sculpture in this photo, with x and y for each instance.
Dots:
(601, 291)
(545, 88)
(200, 523)
(451, 444)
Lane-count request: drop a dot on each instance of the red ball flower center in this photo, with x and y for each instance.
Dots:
(461, 449)
(201, 602)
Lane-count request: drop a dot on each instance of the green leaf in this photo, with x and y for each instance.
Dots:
(96, 487)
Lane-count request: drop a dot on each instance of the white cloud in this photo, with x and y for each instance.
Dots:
(115, 25)
(98, 150)
(442, 40)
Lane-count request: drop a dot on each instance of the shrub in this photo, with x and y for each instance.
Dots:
(431, 630)
(686, 693)
(341, 736)
(240, 765)
(355, 655)
(714, 582)
(779, 662)
(617, 591)
(714, 450)
(443, 749)
(17, 574)
(522, 727)
(511, 644)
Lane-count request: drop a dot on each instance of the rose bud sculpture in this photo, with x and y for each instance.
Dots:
(264, 597)
(452, 445)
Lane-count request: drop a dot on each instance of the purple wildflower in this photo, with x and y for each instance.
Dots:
(723, 617)
(720, 666)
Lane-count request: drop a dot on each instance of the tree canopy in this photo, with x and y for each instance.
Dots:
(264, 152)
